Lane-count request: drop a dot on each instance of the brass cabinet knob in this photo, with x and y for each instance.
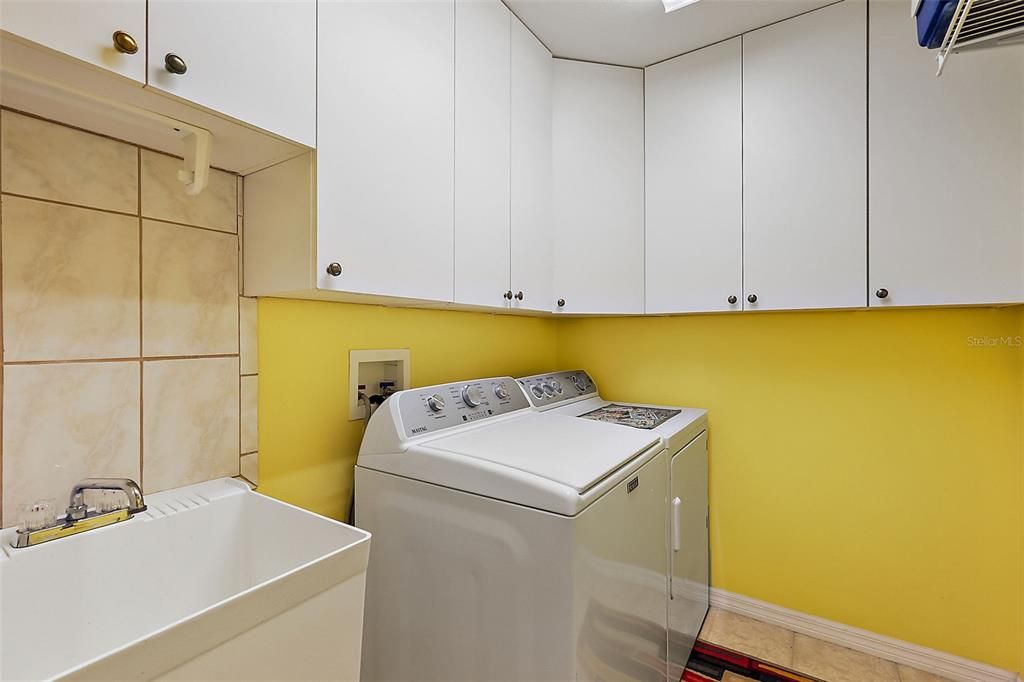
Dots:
(175, 64)
(508, 295)
(519, 296)
(882, 293)
(561, 303)
(124, 43)
(732, 300)
(334, 269)
(752, 298)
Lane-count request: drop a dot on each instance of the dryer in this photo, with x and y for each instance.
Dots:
(510, 543)
(683, 434)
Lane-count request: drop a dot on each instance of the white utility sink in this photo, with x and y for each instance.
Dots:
(214, 581)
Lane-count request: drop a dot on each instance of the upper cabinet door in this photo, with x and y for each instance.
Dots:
(482, 152)
(946, 197)
(385, 152)
(84, 29)
(694, 236)
(254, 61)
(598, 156)
(532, 222)
(804, 174)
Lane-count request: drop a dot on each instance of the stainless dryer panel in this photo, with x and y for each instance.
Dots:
(556, 388)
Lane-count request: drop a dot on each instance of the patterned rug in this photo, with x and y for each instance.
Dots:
(709, 662)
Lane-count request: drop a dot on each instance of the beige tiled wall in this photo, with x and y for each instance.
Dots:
(127, 350)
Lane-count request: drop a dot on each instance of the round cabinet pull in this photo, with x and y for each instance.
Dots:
(124, 43)
(334, 269)
(519, 296)
(508, 295)
(175, 64)
(752, 298)
(561, 303)
(882, 293)
(732, 300)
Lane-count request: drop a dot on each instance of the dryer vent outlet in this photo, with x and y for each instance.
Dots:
(375, 372)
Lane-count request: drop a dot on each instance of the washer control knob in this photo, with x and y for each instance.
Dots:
(548, 389)
(501, 392)
(472, 396)
(557, 386)
(579, 382)
(435, 403)
(537, 391)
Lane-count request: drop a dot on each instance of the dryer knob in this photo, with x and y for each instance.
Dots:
(557, 386)
(537, 391)
(501, 392)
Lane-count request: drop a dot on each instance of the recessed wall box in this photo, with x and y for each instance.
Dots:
(372, 368)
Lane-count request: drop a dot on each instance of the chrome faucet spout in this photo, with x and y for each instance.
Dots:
(77, 508)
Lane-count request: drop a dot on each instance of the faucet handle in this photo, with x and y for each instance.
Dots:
(37, 515)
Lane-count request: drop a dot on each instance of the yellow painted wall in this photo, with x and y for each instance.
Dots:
(307, 444)
(865, 466)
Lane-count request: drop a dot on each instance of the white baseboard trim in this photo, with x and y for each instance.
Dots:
(897, 651)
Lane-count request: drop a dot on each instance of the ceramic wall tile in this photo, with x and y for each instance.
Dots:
(47, 160)
(189, 291)
(65, 422)
(250, 466)
(247, 335)
(190, 421)
(85, 286)
(164, 197)
(249, 411)
(70, 282)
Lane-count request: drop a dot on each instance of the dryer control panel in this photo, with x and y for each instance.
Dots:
(547, 390)
(434, 408)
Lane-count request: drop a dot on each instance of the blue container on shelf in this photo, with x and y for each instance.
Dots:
(933, 18)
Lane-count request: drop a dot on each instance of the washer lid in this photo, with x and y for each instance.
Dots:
(577, 453)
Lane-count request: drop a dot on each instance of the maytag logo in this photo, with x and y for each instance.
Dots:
(419, 429)
(632, 485)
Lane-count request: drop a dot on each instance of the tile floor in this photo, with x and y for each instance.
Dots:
(803, 654)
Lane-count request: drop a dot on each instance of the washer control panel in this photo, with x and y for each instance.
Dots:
(431, 409)
(545, 390)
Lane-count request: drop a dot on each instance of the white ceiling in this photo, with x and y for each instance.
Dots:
(639, 32)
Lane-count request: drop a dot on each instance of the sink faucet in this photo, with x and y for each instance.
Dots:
(79, 518)
(76, 506)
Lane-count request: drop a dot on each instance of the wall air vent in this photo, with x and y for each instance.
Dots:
(955, 26)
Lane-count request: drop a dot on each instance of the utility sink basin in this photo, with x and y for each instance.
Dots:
(214, 581)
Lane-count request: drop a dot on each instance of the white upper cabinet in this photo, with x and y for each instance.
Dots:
(482, 121)
(694, 235)
(946, 181)
(254, 61)
(532, 222)
(84, 29)
(804, 163)
(385, 147)
(598, 157)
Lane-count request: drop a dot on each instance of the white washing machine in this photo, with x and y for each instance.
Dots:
(683, 434)
(511, 543)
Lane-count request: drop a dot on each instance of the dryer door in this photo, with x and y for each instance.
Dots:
(688, 530)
